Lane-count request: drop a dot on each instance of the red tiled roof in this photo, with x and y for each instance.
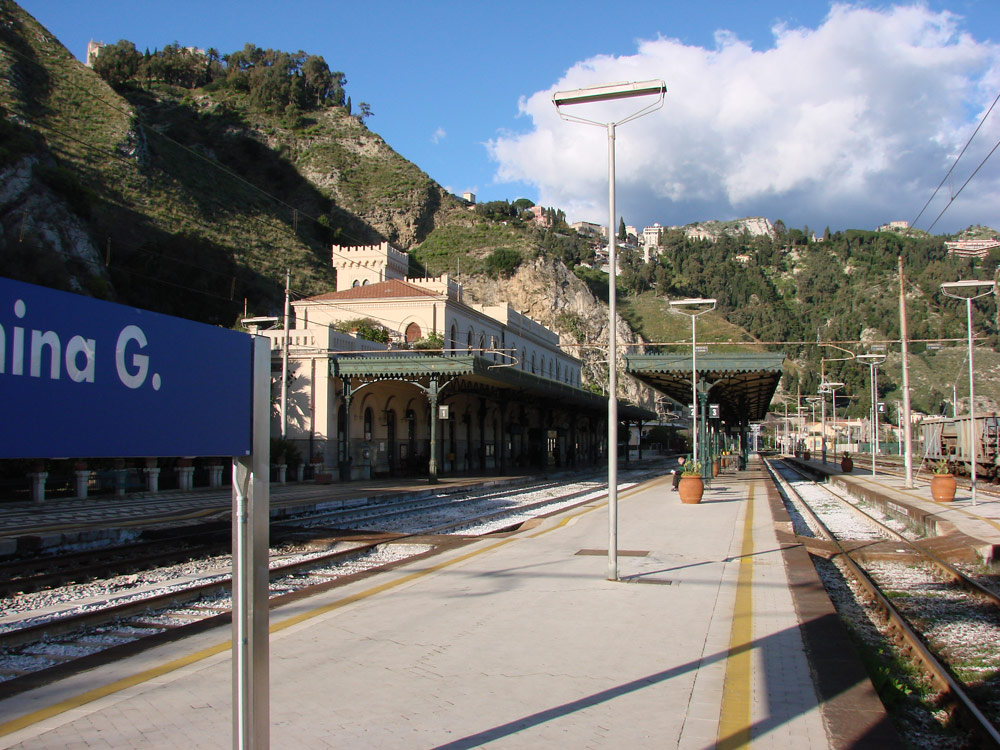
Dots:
(381, 290)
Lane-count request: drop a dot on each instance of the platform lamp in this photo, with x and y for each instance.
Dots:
(970, 290)
(873, 361)
(591, 95)
(694, 307)
(812, 401)
(822, 381)
(831, 386)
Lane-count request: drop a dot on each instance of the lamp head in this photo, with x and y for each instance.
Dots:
(968, 289)
(609, 92)
(694, 305)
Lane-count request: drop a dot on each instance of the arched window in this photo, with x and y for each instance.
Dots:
(468, 341)
(413, 333)
(532, 362)
(453, 344)
(558, 373)
(355, 283)
(368, 424)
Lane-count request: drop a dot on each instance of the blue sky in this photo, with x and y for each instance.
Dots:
(817, 114)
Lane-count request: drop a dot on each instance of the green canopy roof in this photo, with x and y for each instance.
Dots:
(742, 383)
(477, 372)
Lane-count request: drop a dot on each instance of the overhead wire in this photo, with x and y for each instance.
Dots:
(952, 168)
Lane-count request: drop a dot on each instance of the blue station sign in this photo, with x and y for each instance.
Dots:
(80, 377)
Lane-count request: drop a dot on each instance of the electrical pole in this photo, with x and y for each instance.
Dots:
(284, 356)
(907, 423)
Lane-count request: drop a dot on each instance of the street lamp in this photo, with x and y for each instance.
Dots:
(822, 380)
(830, 386)
(812, 401)
(694, 307)
(591, 95)
(970, 290)
(873, 361)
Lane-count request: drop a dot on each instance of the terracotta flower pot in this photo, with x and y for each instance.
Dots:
(943, 487)
(691, 488)
(847, 464)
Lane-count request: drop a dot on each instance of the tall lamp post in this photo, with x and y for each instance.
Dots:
(694, 307)
(812, 401)
(831, 386)
(873, 361)
(592, 95)
(822, 382)
(970, 290)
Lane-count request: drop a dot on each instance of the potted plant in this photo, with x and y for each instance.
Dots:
(846, 463)
(691, 486)
(943, 483)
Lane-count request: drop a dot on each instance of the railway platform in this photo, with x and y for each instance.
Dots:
(958, 530)
(716, 634)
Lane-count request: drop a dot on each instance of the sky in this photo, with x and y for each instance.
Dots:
(816, 113)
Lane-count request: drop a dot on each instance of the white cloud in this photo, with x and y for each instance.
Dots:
(439, 135)
(848, 125)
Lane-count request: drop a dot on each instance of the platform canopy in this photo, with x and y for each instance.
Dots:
(742, 383)
(479, 373)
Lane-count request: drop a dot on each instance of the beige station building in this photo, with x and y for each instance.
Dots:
(460, 387)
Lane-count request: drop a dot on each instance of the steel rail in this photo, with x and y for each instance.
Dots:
(934, 667)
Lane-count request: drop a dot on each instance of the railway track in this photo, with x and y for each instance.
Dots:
(946, 622)
(37, 650)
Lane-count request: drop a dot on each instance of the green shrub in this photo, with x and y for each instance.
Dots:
(502, 262)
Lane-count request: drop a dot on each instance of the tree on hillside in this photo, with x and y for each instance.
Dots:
(118, 63)
(622, 232)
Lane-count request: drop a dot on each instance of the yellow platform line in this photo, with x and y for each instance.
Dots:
(734, 719)
(76, 701)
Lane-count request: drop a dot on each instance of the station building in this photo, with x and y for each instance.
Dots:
(460, 387)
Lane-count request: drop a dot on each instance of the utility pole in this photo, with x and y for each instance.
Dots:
(284, 356)
(907, 423)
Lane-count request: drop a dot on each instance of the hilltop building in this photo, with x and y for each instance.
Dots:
(894, 226)
(589, 229)
(979, 248)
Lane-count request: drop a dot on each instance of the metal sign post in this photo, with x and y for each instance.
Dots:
(251, 709)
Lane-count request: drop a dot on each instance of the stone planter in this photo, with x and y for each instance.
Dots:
(691, 488)
(943, 487)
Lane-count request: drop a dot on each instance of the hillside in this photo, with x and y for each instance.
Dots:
(185, 201)
(192, 196)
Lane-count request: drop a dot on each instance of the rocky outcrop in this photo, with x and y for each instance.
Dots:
(36, 224)
(547, 291)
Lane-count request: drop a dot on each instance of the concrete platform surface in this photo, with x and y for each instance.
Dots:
(519, 641)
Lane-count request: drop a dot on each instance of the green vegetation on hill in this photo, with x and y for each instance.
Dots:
(192, 183)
